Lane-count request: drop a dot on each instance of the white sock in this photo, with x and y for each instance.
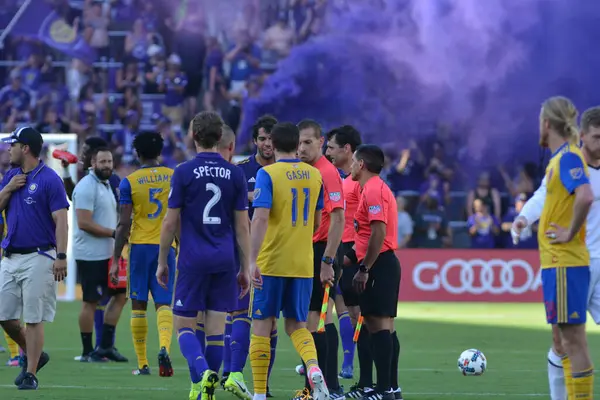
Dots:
(556, 377)
(260, 397)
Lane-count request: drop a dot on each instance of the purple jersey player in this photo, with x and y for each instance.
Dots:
(208, 202)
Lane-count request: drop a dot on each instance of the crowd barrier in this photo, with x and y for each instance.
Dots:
(470, 275)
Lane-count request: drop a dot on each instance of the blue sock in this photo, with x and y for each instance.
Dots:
(240, 342)
(273, 349)
(214, 352)
(226, 346)
(201, 337)
(99, 320)
(190, 348)
(347, 335)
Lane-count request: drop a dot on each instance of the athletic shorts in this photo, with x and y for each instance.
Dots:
(316, 299)
(242, 304)
(594, 292)
(195, 292)
(94, 280)
(566, 294)
(351, 297)
(380, 297)
(290, 295)
(141, 279)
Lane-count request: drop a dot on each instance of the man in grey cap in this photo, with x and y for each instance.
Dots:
(35, 247)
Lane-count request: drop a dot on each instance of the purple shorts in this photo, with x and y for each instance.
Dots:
(242, 304)
(196, 292)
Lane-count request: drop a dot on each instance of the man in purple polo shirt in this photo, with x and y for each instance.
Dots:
(34, 249)
(208, 201)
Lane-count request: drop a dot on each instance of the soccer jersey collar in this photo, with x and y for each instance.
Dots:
(208, 155)
(289, 160)
(561, 149)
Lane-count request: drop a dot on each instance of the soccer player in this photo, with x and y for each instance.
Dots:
(561, 236)
(378, 276)
(85, 157)
(240, 321)
(13, 348)
(341, 145)
(143, 200)
(531, 212)
(326, 241)
(208, 203)
(287, 198)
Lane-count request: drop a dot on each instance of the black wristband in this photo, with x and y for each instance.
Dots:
(351, 254)
(61, 256)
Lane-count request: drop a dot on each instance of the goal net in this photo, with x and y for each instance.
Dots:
(63, 141)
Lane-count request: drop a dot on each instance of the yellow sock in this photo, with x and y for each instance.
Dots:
(164, 320)
(13, 347)
(139, 333)
(566, 364)
(260, 358)
(305, 346)
(583, 384)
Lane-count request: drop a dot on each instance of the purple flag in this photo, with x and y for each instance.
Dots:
(40, 20)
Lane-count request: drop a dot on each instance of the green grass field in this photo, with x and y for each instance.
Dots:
(514, 338)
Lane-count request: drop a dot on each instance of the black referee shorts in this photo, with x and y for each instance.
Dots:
(380, 298)
(94, 280)
(351, 297)
(316, 298)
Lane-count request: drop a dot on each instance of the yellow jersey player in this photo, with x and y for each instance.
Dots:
(564, 257)
(144, 196)
(288, 197)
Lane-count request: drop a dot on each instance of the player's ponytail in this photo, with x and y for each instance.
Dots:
(572, 134)
(561, 114)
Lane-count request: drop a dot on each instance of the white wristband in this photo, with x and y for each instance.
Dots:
(66, 174)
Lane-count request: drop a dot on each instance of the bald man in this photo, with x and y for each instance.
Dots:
(226, 145)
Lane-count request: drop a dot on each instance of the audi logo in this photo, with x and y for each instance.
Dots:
(487, 282)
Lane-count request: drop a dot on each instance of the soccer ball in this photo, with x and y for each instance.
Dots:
(472, 362)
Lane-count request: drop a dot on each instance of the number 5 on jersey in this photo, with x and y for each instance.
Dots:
(305, 205)
(153, 193)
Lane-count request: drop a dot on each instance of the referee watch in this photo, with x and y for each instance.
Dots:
(363, 268)
(327, 260)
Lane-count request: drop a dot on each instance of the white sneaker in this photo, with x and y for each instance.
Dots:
(317, 381)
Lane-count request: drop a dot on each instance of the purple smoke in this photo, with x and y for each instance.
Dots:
(483, 65)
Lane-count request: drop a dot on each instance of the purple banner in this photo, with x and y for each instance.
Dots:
(41, 21)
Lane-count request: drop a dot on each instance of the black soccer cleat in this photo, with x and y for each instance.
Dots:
(373, 395)
(145, 370)
(92, 357)
(269, 394)
(44, 358)
(29, 382)
(112, 354)
(165, 368)
(398, 394)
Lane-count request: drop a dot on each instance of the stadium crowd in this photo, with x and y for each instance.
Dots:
(158, 63)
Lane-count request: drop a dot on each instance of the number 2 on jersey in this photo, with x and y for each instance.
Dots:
(208, 220)
(152, 193)
(306, 192)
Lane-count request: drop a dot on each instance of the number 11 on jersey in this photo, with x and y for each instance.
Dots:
(306, 192)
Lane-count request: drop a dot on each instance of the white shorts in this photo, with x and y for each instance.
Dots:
(28, 288)
(594, 291)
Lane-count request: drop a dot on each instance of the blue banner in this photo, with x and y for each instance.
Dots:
(41, 21)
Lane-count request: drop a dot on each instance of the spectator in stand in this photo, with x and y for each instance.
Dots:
(304, 15)
(15, 97)
(54, 94)
(431, 225)
(78, 75)
(214, 76)
(436, 188)
(126, 11)
(54, 123)
(149, 16)
(122, 141)
(483, 227)
(137, 42)
(174, 87)
(31, 75)
(96, 19)
(487, 194)
(24, 47)
(438, 164)
(189, 46)
(528, 238)
(129, 76)
(405, 224)
(525, 181)
(248, 20)
(244, 58)
(130, 102)
(87, 104)
(279, 38)
(155, 69)
(408, 172)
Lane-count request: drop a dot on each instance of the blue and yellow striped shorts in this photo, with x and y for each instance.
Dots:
(566, 294)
